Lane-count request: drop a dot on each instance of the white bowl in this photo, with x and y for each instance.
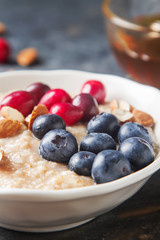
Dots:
(42, 211)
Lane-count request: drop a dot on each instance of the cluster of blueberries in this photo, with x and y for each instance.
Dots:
(98, 156)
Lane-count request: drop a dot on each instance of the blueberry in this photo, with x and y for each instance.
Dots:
(104, 123)
(45, 123)
(138, 151)
(97, 142)
(58, 146)
(132, 129)
(110, 165)
(81, 163)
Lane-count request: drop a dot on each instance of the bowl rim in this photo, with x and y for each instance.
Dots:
(121, 22)
(87, 191)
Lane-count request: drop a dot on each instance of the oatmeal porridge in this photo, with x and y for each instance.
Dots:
(24, 166)
(29, 170)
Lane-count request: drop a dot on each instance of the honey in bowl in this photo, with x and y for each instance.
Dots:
(138, 53)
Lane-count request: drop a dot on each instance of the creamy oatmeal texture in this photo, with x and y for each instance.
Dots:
(23, 167)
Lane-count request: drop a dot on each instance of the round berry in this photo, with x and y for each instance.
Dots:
(58, 146)
(110, 165)
(38, 90)
(138, 151)
(21, 100)
(88, 104)
(97, 142)
(96, 89)
(104, 123)
(132, 129)
(45, 123)
(81, 163)
(54, 96)
(4, 50)
(70, 113)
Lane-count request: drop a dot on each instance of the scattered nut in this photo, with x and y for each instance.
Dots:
(2, 28)
(27, 56)
(1, 154)
(8, 127)
(27, 119)
(124, 105)
(123, 116)
(114, 105)
(37, 111)
(120, 104)
(142, 118)
(11, 113)
(125, 112)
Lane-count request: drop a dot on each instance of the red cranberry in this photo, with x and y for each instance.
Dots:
(38, 90)
(54, 96)
(70, 114)
(96, 89)
(4, 50)
(88, 104)
(21, 100)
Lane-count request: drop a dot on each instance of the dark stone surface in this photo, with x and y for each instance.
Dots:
(70, 34)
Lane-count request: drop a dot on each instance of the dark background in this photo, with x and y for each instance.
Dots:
(70, 34)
